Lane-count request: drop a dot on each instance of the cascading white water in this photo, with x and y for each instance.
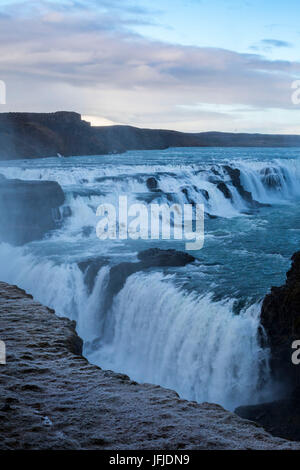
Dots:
(193, 345)
(268, 182)
(154, 330)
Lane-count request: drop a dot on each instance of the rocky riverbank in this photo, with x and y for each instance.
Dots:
(52, 398)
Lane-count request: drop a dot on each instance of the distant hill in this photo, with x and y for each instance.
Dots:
(32, 135)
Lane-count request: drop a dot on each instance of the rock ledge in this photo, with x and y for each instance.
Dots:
(52, 398)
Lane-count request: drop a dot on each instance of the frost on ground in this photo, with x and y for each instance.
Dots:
(52, 398)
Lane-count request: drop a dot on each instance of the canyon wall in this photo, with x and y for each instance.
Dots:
(32, 135)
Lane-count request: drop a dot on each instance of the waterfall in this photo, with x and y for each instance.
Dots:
(210, 184)
(156, 332)
(196, 346)
(155, 329)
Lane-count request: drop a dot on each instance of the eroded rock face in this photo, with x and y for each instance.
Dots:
(235, 176)
(52, 398)
(280, 317)
(271, 177)
(28, 209)
(225, 190)
(32, 135)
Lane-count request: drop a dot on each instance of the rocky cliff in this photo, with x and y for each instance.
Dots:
(280, 318)
(28, 209)
(52, 398)
(31, 135)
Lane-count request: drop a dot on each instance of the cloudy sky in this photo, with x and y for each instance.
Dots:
(191, 65)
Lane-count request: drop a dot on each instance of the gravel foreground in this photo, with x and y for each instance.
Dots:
(52, 398)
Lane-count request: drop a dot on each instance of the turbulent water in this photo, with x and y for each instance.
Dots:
(194, 329)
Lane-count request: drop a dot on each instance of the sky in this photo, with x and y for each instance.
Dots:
(189, 65)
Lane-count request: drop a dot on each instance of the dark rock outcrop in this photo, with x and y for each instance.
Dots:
(235, 176)
(280, 418)
(204, 193)
(160, 258)
(185, 191)
(32, 135)
(90, 269)
(224, 189)
(154, 257)
(28, 209)
(271, 178)
(280, 318)
(152, 183)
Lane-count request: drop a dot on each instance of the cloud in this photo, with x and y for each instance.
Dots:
(99, 121)
(113, 7)
(269, 44)
(276, 43)
(83, 56)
